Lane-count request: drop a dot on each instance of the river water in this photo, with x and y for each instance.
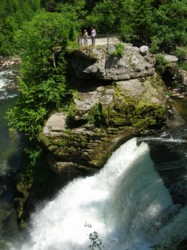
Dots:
(136, 201)
(10, 149)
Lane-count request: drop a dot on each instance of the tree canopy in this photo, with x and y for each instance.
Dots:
(38, 30)
(42, 86)
(161, 24)
(13, 13)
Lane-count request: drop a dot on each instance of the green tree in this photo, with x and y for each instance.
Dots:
(112, 17)
(13, 13)
(42, 85)
(170, 25)
(142, 20)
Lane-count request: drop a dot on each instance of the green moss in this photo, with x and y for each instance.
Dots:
(156, 81)
(96, 116)
(66, 143)
(128, 111)
(148, 116)
(120, 111)
(31, 181)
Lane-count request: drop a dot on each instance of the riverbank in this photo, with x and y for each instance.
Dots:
(7, 62)
(10, 158)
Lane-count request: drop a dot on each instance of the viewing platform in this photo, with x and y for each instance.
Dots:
(100, 40)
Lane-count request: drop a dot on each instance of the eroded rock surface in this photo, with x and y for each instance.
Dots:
(116, 96)
(101, 118)
(102, 63)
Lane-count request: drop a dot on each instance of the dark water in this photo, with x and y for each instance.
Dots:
(169, 153)
(10, 149)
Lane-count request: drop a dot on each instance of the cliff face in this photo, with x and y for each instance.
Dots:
(113, 62)
(116, 95)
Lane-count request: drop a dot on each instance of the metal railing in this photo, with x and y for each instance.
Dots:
(101, 39)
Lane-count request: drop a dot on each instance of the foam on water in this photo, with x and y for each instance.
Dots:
(6, 79)
(2, 84)
(125, 206)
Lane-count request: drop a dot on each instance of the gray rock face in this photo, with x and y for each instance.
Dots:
(171, 58)
(56, 123)
(102, 117)
(144, 50)
(102, 63)
(124, 97)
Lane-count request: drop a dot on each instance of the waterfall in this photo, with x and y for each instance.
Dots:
(124, 206)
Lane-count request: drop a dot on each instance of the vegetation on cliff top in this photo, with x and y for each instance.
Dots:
(159, 24)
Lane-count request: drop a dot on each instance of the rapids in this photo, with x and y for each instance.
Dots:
(125, 206)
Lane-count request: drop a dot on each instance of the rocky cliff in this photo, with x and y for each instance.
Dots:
(113, 62)
(116, 94)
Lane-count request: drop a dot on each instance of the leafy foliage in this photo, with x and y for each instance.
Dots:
(181, 52)
(96, 116)
(170, 24)
(96, 242)
(107, 17)
(172, 245)
(119, 51)
(42, 85)
(161, 63)
(160, 24)
(94, 237)
(13, 14)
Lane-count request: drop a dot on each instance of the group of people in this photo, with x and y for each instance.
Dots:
(93, 35)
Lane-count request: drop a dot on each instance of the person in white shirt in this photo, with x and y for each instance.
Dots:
(93, 35)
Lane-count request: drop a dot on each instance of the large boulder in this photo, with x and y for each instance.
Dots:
(99, 119)
(103, 63)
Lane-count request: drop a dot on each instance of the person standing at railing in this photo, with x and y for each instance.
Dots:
(85, 36)
(93, 35)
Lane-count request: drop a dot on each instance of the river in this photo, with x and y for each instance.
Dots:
(10, 148)
(136, 201)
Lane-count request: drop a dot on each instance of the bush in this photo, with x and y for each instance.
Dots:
(120, 50)
(161, 63)
(181, 53)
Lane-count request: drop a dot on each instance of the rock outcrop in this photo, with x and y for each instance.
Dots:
(103, 63)
(116, 94)
(114, 98)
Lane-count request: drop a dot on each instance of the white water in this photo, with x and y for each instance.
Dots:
(6, 80)
(127, 204)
